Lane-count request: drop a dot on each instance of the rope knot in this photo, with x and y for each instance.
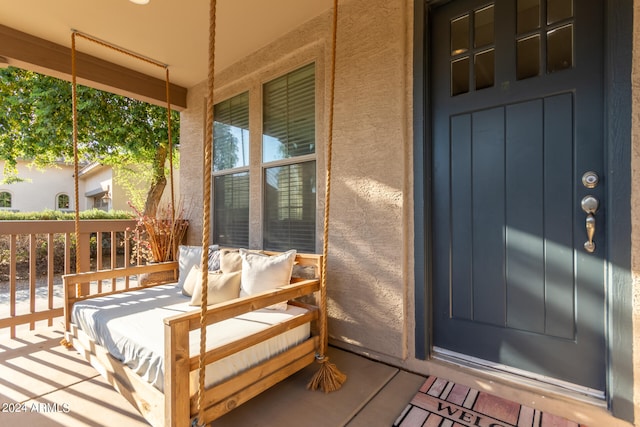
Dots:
(328, 378)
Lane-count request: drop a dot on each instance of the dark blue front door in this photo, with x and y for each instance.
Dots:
(517, 98)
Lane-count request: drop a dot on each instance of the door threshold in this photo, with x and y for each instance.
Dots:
(575, 391)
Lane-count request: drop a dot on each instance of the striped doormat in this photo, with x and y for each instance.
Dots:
(441, 403)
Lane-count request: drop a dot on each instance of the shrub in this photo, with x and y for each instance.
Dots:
(51, 215)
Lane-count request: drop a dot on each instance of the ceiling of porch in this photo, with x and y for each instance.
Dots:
(169, 31)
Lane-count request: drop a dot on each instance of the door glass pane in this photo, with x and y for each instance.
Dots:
(557, 10)
(560, 49)
(528, 15)
(483, 27)
(528, 57)
(460, 35)
(460, 76)
(485, 69)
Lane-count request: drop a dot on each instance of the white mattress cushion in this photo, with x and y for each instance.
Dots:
(130, 326)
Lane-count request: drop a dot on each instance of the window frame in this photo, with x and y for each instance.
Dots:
(10, 194)
(256, 169)
(57, 202)
(234, 170)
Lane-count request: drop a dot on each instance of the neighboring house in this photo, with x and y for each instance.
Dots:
(39, 189)
(53, 188)
(98, 189)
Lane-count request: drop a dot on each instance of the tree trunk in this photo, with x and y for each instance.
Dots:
(158, 182)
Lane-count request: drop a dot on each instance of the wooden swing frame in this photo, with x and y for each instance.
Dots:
(176, 407)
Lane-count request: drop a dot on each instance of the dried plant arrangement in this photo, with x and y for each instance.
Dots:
(157, 237)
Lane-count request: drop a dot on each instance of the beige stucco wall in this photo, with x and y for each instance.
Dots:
(371, 269)
(370, 200)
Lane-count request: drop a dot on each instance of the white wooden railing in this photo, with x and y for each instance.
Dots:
(37, 297)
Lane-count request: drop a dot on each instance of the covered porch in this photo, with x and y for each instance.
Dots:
(47, 385)
(381, 314)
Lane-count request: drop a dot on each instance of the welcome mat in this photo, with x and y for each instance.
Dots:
(441, 403)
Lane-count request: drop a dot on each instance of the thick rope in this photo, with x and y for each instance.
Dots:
(173, 244)
(142, 58)
(206, 218)
(324, 336)
(119, 49)
(74, 96)
(74, 108)
(328, 378)
(76, 188)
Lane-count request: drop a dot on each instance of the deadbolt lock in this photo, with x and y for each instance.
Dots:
(590, 179)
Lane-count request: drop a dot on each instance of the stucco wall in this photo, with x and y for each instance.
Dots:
(368, 240)
(40, 188)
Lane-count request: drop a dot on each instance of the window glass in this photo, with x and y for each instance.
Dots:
(289, 115)
(460, 35)
(460, 76)
(231, 133)
(485, 69)
(231, 210)
(5, 199)
(528, 18)
(63, 201)
(558, 10)
(560, 49)
(290, 207)
(483, 27)
(528, 57)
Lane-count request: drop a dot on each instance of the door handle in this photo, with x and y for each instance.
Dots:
(590, 207)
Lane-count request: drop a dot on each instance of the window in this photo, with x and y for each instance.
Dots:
(231, 172)
(5, 199)
(286, 166)
(288, 155)
(62, 201)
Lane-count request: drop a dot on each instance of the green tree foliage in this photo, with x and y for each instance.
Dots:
(36, 123)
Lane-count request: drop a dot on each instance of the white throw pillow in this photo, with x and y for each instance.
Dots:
(262, 273)
(188, 256)
(220, 286)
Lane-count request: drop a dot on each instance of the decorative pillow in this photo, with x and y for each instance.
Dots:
(263, 273)
(220, 286)
(190, 281)
(188, 256)
(230, 260)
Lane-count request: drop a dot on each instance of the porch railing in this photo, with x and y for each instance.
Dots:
(31, 264)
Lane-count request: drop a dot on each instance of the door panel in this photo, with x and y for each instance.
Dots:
(517, 120)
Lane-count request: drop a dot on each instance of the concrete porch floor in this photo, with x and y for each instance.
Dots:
(44, 384)
(58, 388)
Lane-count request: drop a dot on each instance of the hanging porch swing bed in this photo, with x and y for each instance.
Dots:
(187, 352)
(145, 341)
